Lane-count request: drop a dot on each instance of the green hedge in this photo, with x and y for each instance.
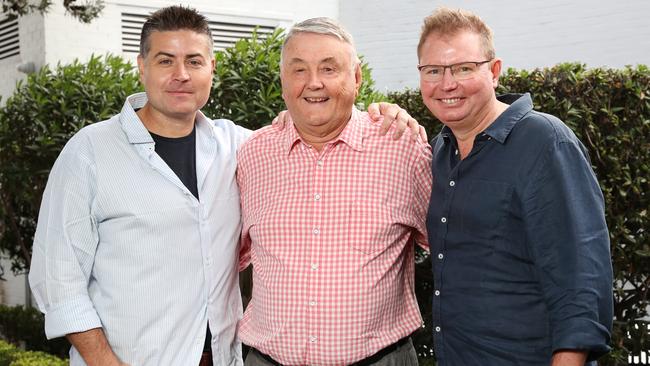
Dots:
(609, 110)
(10, 355)
(21, 325)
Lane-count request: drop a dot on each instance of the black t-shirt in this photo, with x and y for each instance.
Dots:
(180, 155)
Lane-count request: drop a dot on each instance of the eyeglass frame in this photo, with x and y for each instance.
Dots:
(445, 67)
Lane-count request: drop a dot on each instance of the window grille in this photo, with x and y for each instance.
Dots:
(9, 42)
(224, 34)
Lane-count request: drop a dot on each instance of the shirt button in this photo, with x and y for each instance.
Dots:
(317, 197)
(319, 163)
(440, 256)
(452, 183)
(443, 220)
(312, 339)
(314, 266)
(316, 231)
(437, 293)
(438, 329)
(312, 303)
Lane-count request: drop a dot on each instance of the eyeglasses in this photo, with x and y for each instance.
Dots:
(460, 71)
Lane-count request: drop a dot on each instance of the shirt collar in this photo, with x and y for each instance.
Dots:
(499, 130)
(352, 134)
(520, 105)
(133, 127)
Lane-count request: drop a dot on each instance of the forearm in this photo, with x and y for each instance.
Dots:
(94, 348)
(569, 358)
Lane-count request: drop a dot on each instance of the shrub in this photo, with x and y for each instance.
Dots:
(21, 325)
(609, 110)
(12, 356)
(37, 120)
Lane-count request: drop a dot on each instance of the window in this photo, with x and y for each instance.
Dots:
(9, 45)
(224, 33)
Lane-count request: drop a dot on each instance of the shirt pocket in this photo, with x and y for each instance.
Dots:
(485, 205)
(370, 227)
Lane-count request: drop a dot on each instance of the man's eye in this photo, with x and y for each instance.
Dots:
(195, 62)
(165, 61)
(433, 71)
(465, 69)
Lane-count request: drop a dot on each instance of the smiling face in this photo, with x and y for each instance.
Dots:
(464, 104)
(176, 74)
(320, 81)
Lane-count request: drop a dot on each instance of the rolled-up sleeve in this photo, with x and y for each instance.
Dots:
(65, 243)
(567, 232)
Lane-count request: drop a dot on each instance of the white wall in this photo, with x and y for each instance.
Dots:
(528, 33)
(13, 291)
(31, 38)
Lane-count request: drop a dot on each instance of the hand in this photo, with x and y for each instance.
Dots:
(569, 358)
(281, 120)
(389, 113)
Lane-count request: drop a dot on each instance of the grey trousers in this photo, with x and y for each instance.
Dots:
(404, 355)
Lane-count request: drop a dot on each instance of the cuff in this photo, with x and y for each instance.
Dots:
(77, 315)
(582, 334)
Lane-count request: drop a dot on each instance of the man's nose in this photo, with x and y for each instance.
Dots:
(180, 72)
(314, 81)
(448, 81)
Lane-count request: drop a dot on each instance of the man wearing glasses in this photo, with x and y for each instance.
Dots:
(516, 225)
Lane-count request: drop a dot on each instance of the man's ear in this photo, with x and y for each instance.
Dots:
(495, 69)
(358, 77)
(140, 61)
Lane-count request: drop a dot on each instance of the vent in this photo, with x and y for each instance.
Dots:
(224, 34)
(9, 45)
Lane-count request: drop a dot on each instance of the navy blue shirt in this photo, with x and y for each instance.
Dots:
(519, 244)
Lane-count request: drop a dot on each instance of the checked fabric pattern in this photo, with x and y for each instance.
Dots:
(330, 236)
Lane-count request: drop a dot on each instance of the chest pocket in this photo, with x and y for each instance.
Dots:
(485, 205)
(370, 227)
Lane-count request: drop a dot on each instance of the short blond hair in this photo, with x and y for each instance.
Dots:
(448, 22)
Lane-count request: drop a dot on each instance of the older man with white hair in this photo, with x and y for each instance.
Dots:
(330, 211)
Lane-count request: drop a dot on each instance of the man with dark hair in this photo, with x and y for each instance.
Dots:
(135, 252)
(519, 243)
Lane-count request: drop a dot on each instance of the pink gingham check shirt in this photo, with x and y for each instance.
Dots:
(330, 236)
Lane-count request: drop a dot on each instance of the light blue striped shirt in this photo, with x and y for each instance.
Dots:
(122, 244)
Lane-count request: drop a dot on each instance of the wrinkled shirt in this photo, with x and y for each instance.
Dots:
(331, 238)
(519, 245)
(123, 245)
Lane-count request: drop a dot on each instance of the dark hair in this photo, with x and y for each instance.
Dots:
(173, 18)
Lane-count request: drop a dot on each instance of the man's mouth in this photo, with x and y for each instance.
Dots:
(316, 100)
(449, 100)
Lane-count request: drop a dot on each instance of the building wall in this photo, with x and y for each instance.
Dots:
(528, 34)
(31, 38)
(13, 291)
